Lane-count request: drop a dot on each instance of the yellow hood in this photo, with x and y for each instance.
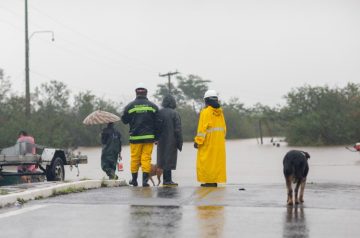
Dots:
(216, 111)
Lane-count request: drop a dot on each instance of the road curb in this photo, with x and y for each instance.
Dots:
(55, 189)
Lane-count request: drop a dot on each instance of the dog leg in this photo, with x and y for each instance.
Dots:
(152, 181)
(159, 178)
(297, 191)
(289, 190)
(302, 188)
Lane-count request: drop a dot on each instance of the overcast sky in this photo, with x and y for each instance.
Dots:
(254, 50)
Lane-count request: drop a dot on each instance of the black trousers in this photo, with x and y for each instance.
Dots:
(167, 175)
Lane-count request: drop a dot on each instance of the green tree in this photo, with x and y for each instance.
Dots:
(5, 87)
(53, 96)
(193, 88)
(189, 90)
(162, 90)
(321, 115)
(50, 121)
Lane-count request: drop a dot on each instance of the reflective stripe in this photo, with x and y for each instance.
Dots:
(141, 109)
(215, 129)
(142, 137)
(201, 134)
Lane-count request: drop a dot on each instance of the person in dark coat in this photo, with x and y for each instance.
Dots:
(111, 148)
(170, 139)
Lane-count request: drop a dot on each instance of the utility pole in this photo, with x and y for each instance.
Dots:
(27, 62)
(169, 78)
(27, 75)
(261, 132)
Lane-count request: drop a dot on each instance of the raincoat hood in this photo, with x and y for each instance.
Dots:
(216, 111)
(169, 102)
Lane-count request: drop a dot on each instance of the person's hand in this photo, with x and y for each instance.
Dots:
(196, 145)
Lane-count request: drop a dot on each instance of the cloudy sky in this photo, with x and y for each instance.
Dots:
(256, 50)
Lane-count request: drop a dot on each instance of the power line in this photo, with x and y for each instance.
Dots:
(11, 11)
(18, 15)
(99, 54)
(92, 53)
(101, 44)
(95, 59)
(77, 45)
(96, 55)
(11, 24)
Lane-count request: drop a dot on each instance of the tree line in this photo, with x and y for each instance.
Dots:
(311, 115)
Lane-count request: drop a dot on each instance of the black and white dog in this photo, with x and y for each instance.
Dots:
(296, 168)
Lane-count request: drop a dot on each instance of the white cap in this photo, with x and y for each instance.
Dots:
(140, 85)
(210, 93)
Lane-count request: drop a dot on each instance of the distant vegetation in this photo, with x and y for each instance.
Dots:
(322, 115)
(311, 116)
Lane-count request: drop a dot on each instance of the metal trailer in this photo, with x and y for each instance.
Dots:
(50, 161)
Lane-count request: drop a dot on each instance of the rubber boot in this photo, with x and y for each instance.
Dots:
(133, 181)
(166, 177)
(145, 180)
(168, 180)
(112, 175)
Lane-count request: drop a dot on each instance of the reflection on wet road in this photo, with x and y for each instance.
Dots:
(211, 221)
(295, 223)
(330, 210)
(154, 220)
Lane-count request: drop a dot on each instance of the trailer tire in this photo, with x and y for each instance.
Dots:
(55, 172)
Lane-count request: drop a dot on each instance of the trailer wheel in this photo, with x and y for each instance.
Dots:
(55, 172)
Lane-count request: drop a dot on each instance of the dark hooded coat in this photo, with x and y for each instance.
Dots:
(111, 147)
(170, 139)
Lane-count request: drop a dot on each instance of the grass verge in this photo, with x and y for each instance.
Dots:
(67, 191)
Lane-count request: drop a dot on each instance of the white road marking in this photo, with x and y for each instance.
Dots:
(21, 211)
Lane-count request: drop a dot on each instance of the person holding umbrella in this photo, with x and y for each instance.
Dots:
(111, 149)
(142, 116)
(110, 140)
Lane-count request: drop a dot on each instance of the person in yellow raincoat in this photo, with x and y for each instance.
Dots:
(210, 142)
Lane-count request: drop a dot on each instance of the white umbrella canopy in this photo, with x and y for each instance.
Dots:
(100, 117)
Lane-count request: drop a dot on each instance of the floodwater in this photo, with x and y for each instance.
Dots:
(247, 162)
(331, 208)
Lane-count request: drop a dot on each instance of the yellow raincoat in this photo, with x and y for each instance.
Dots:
(211, 155)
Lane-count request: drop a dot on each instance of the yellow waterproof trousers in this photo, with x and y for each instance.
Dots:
(141, 156)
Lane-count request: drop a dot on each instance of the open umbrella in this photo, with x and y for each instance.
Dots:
(100, 117)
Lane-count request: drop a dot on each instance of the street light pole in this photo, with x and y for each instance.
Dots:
(27, 63)
(27, 75)
(36, 32)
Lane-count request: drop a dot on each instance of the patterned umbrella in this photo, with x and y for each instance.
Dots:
(100, 117)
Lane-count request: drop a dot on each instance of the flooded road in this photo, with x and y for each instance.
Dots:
(247, 162)
(331, 208)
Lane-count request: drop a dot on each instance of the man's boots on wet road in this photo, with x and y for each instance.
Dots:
(167, 179)
(145, 179)
(133, 181)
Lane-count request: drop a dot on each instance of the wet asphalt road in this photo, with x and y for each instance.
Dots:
(330, 210)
